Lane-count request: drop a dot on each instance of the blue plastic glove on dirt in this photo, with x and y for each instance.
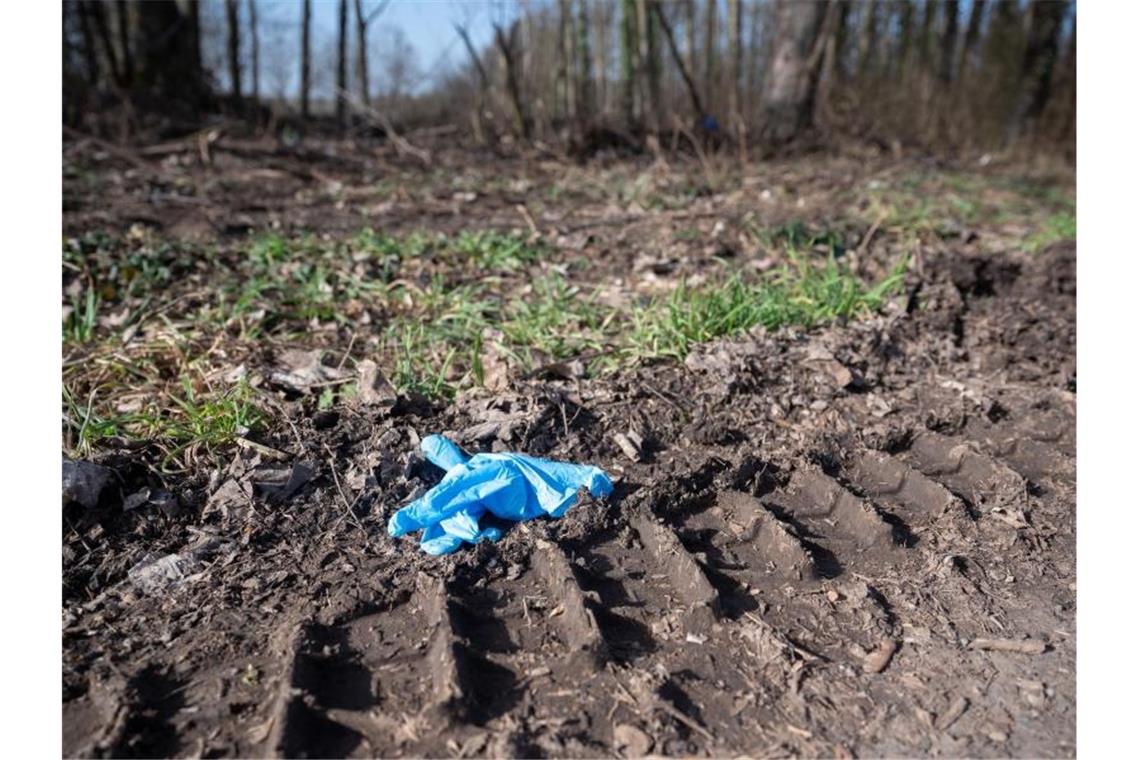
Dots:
(510, 486)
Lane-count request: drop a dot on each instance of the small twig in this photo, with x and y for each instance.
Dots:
(870, 234)
(336, 481)
(261, 448)
(521, 208)
(347, 351)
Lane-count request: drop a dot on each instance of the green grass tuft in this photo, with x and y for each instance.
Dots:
(1058, 227)
(802, 295)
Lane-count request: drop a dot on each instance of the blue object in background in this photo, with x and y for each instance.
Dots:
(510, 486)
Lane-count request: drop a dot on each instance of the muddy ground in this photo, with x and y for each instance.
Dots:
(856, 539)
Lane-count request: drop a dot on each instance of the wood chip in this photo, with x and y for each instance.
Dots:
(877, 661)
(951, 714)
(1021, 646)
(628, 447)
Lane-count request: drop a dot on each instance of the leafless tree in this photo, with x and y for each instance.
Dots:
(509, 49)
(233, 45)
(254, 54)
(306, 75)
(1038, 62)
(793, 68)
(342, 63)
(949, 40)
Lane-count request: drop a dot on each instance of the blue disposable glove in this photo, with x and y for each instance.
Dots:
(510, 486)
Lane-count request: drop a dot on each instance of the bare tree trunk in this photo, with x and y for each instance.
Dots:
(628, 43)
(690, 86)
(868, 39)
(906, 38)
(973, 33)
(649, 103)
(1035, 81)
(949, 40)
(602, 19)
(342, 64)
(484, 81)
(754, 44)
(838, 64)
(508, 48)
(99, 17)
(361, 53)
(565, 46)
(928, 11)
(585, 77)
(734, 35)
(711, 38)
(170, 62)
(122, 19)
(255, 65)
(233, 46)
(790, 85)
(90, 54)
(690, 37)
(306, 80)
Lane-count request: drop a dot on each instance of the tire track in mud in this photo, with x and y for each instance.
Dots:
(669, 618)
(741, 607)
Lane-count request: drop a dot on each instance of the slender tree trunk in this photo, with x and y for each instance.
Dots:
(123, 24)
(508, 48)
(562, 78)
(342, 64)
(949, 40)
(711, 52)
(686, 75)
(754, 44)
(306, 32)
(628, 54)
(254, 61)
(790, 85)
(99, 17)
(928, 11)
(1036, 79)
(690, 37)
(734, 34)
(194, 40)
(869, 39)
(649, 104)
(973, 33)
(90, 54)
(361, 53)
(906, 38)
(484, 81)
(585, 76)
(839, 63)
(169, 61)
(653, 66)
(603, 17)
(233, 46)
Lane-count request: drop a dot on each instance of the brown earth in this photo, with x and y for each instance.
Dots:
(852, 540)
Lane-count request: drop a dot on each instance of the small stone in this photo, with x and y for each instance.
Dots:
(631, 741)
(373, 389)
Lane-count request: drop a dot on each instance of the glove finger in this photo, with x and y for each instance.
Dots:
(464, 523)
(442, 453)
(436, 541)
(489, 483)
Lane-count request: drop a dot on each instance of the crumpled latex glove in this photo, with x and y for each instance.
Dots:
(510, 486)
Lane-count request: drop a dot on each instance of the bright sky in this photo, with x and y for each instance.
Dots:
(427, 24)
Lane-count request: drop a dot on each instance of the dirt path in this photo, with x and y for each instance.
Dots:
(846, 541)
